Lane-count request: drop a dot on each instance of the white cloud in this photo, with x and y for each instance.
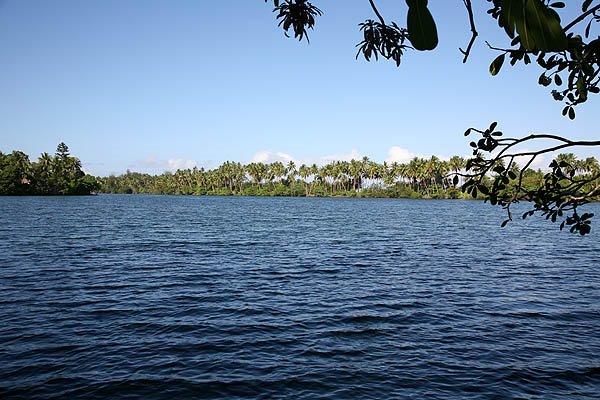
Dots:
(403, 156)
(268, 157)
(179, 163)
(539, 162)
(394, 154)
(152, 164)
(353, 155)
(399, 155)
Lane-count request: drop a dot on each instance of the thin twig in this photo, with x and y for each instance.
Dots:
(376, 11)
(581, 17)
(474, 32)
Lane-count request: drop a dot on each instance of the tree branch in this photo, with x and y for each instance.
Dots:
(591, 193)
(474, 32)
(581, 17)
(376, 11)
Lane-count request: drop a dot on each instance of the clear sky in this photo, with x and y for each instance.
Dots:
(150, 85)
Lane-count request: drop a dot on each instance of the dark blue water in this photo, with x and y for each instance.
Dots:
(198, 297)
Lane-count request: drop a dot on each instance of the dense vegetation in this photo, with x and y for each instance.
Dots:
(420, 178)
(537, 34)
(60, 174)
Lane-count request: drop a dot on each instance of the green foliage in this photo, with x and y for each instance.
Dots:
(380, 39)
(421, 178)
(570, 60)
(296, 14)
(534, 27)
(557, 194)
(50, 175)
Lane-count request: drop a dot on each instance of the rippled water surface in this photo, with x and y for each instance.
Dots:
(204, 297)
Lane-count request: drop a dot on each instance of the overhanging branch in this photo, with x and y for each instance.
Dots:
(474, 32)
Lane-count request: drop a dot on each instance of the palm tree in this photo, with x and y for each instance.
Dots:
(415, 173)
(355, 170)
(276, 172)
(590, 165)
(304, 173)
(44, 166)
(570, 160)
(291, 172)
(257, 172)
(456, 164)
(443, 168)
(322, 175)
(431, 168)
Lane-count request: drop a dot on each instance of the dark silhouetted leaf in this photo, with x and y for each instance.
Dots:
(496, 65)
(421, 26)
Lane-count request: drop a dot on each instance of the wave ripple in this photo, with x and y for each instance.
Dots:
(196, 297)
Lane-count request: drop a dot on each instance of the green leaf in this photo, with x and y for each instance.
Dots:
(497, 64)
(510, 12)
(542, 27)
(581, 88)
(537, 25)
(422, 31)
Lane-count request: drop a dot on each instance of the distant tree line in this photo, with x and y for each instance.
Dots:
(60, 174)
(419, 178)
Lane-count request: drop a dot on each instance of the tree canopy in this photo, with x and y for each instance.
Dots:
(568, 55)
(60, 174)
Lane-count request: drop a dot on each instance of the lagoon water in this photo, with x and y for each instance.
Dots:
(161, 297)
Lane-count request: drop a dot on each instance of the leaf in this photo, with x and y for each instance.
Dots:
(544, 80)
(497, 64)
(586, 5)
(558, 4)
(557, 80)
(554, 34)
(468, 132)
(422, 31)
(571, 113)
(587, 29)
(504, 223)
(581, 88)
(508, 15)
(538, 26)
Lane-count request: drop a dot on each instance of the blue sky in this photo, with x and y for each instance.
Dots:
(150, 85)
